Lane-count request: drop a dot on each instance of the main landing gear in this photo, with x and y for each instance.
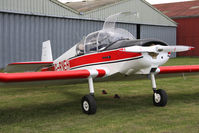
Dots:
(159, 96)
(88, 101)
(89, 104)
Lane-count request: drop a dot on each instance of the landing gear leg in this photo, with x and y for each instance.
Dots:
(159, 96)
(88, 101)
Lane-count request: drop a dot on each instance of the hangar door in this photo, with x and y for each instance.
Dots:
(164, 33)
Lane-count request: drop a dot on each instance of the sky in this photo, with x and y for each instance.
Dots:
(150, 1)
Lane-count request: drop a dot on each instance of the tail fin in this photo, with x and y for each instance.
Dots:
(46, 52)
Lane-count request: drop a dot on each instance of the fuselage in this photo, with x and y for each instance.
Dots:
(115, 60)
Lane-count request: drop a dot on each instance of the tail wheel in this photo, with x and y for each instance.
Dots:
(160, 98)
(89, 104)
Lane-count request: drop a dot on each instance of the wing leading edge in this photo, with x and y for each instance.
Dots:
(177, 69)
(54, 75)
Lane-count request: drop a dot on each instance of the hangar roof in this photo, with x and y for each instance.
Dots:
(94, 10)
(85, 6)
(180, 9)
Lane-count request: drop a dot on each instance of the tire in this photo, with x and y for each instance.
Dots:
(161, 101)
(89, 104)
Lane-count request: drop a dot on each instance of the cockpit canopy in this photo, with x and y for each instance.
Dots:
(111, 37)
(100, 40)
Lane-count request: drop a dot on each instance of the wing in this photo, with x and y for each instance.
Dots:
(54, 75)
(177, 69)
(26, 66)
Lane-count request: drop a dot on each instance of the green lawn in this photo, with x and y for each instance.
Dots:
(57, 109)
(183, 61)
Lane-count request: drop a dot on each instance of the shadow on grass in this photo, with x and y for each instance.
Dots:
(67, 109)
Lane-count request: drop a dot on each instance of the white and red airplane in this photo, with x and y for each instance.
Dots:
(99, 55)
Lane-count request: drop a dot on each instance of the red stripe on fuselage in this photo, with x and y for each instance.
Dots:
(102, 57)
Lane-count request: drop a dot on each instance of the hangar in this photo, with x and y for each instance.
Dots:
(25, 24)
(186, 14)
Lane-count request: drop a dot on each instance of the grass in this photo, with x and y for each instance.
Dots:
(57, 109)
(183, 61)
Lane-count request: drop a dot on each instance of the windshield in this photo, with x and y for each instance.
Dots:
(90, 43)
(100, 40)
(108, 37)
(111, 20)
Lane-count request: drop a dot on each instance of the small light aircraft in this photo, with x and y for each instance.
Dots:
(101, 54)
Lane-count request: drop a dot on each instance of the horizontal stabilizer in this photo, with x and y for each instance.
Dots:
(26, 66)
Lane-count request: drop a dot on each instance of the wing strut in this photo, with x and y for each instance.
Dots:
(91, 86)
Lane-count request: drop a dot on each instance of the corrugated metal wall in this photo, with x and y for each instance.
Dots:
(21, 36)
(147, 13)
(188, 34)
(48, 7)
(167, 34)
(44, 7)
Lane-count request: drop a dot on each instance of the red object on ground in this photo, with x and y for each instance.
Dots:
(104, 92)
(116, 96)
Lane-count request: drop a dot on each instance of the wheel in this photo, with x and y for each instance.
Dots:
(160, 99)
(89, 104)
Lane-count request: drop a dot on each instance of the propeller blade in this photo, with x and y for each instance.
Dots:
(157, 49)
(174, 48)
(139, 49)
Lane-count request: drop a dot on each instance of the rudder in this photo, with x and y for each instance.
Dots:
(46, 52)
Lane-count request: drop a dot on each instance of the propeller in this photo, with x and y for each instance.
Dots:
(157, 49)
